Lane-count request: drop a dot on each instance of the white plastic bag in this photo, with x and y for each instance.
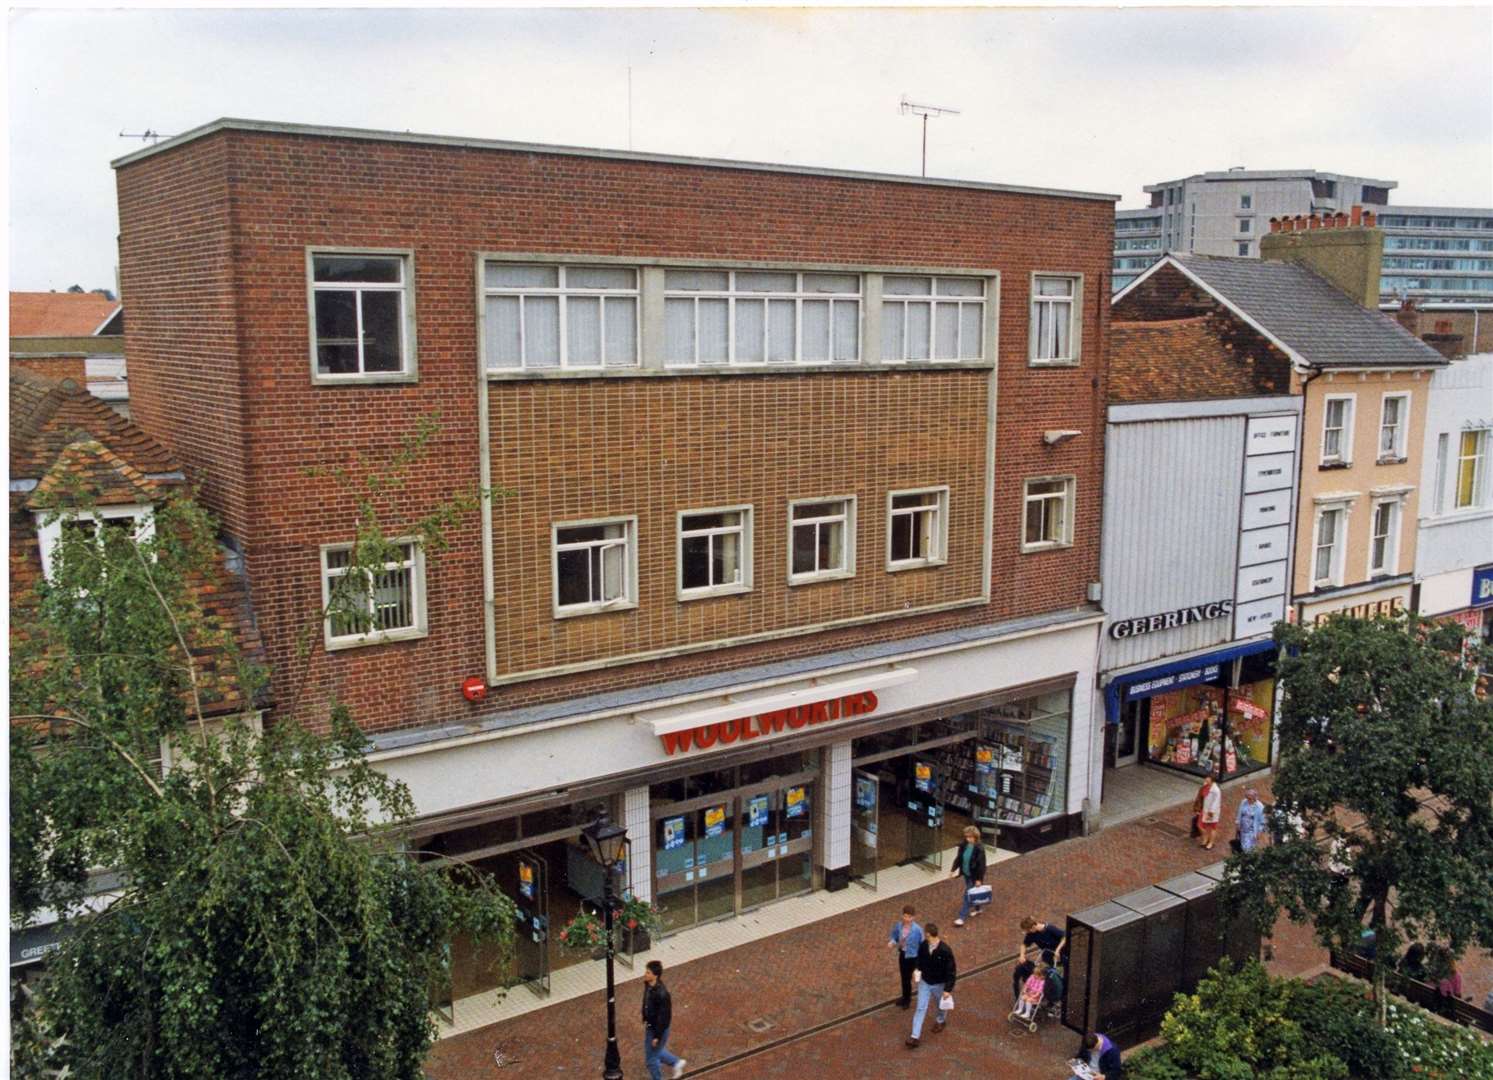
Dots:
(946, 1003)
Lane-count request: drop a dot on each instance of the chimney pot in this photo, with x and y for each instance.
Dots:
(1301, 223)
(1342, 220)
(1369, 219)
(1314, 222)
(1357, 217)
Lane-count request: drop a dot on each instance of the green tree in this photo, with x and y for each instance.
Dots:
(267, 921)
(1384, 762)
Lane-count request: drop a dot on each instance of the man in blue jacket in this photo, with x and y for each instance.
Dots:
(906, 936)
(1100, 1054)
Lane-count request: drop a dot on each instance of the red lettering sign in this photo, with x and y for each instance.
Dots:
(726, 732)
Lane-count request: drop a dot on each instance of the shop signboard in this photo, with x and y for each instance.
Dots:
(743, 729)
(673, 833)
(715, 820)
(795, 802)
(1482, 586)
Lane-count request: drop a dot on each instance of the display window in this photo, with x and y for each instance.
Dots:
(1021, 757)
(1187, 730)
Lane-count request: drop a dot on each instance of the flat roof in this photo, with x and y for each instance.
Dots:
(1270, 174)
(370, 134)
(1470, 211)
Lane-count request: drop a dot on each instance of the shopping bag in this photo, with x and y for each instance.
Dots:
(1196, 828)
(979, 895)
(946, 1003)
(1236, 845)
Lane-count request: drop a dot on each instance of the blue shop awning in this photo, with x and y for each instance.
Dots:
(1174, 675)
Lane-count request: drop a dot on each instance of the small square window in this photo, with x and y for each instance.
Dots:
(371, 604)
(917, 528)
(1246, 225)
(715, 552)
(1244, 248)
(1048, 513)
(54, 528)
(821, 539)
(1246, 202)
(361, 317)
(595, 566)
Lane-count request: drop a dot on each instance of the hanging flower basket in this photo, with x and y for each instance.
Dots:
(638, 915)
(584, 933)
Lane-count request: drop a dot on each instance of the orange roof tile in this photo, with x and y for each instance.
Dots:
(58, 314)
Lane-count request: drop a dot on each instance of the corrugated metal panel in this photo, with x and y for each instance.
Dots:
(1171, 529)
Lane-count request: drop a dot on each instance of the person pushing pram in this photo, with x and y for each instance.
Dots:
(1035, 992)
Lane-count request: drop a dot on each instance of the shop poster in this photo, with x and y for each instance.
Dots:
(796, 802)
(757, 811)
(984, 759)
(526, 879)
(673, 833)
(922, 776)
(1011, 759)
(715, 820)
(865, 793)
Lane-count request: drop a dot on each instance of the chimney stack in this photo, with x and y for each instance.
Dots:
(1345, 249)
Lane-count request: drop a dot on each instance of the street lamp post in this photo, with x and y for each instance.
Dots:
(606, 842)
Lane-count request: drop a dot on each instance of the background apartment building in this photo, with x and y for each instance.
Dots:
(777, 578)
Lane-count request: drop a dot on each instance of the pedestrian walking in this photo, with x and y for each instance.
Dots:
(1100, 1057)
(1250, 821)
(906, 937)
(935, 975)
(658, 1016)
(1210, 807)
(969, 867)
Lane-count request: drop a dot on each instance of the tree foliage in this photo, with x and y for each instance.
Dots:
(1384, 761)
(266, 921)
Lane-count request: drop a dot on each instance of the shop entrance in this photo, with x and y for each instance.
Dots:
(1127, 735)
(899, 817)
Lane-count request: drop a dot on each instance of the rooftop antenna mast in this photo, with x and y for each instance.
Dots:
(925, 111)
(152, 137)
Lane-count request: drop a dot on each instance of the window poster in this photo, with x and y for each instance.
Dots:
(865, 793)
(673, 833)
(796, 801)
(757, 811)
(1010, 759)
(984, 758)
(922, 776)
(715, 820)
(526, 879)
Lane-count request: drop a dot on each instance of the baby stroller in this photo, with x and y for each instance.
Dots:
(1027, 1015)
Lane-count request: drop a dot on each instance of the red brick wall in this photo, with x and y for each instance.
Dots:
(53, 367)
(854, 431)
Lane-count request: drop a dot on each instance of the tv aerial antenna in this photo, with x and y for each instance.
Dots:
(147, 135)
(920, 109)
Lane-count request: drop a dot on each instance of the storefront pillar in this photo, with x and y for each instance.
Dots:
(639, 834)
(834, 814)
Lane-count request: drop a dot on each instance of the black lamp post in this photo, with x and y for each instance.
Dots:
(607, 842)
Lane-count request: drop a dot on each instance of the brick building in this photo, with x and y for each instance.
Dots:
(790, 479)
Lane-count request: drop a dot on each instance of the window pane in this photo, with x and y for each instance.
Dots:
(613, 571)
(679, 331)
(520, 276)
(780, 330)
(1034, 521)
(336, 332)
(917, 331)
(583, 329)
(579, 534)
(753, 281)
(1052, 520)
(694, 557)
(1062, 315)
(814, 510)
(946, 331)
(713, 331)
(696, 280)
(574, 569)
(726, 564)
(906, 286)
(502, 331)
(337, 558)
(971, 331)
(381, 331)
(622, 331)
(832, 283)
(960, 287)
(901, 537)
(749, 318)
(847, 329)
(393, 602)
(831, 546)
(1054, 286)
(600, 277)
(803, 549)
(359, 268)
(815, 330)
(708, 521)
(541, 331)
(892, 316)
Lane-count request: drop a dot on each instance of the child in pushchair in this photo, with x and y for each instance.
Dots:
(1033, 994)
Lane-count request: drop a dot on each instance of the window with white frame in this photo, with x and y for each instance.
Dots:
(1328, 545)
(595, 565)
(1048, 513)
(1384, 537)
(1337, 430)
(715, 552)
(55, 527)
(377, 602)
(1246, 225)
(1246, 202)
(760, 317)
(540, 317)
(1392, 424)
(1472, 469)
(821, 539)
(932, 318)
(917, 527)
(360, 316)
(1244, 247)
(1054, 309)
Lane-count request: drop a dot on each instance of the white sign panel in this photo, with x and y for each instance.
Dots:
(1265, 508)
(1270, 435)
(1258, 616)
(1261, 587)
(1264, 545)
(1269, 472)
(1266, 579)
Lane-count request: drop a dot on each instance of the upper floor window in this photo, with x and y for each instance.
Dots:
(361, 317)
(370, 604)
(54, 528)
(1246, 202)
(1244, 247)
(760, 317)
(1054, 307)
(821, 539)
(1337, 430)
(1472, 469)
(916, 527)
(539, 316)
(928, 318)
(595, 565)
(1327, 547)
(1048, 513)
(715, 552)
(1384, 537)
(1246, 225)
(1392, 422)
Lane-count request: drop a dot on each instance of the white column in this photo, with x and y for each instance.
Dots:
(834, 805)
(635, 818)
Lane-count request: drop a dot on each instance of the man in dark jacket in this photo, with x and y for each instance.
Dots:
(1100, 1053)
(935, 975)
(658, 1015)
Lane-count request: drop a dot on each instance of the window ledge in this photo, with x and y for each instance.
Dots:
(542, 374)
(1034, 363)
(914, 564)
(386, 637)
(685, 595)
(815, 579)
(1053, 545)
(1328, 466)
(1392, 461)
(594, 609)
(1455, 517)
(395, 378)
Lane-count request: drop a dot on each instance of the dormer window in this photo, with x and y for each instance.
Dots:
(52, 526)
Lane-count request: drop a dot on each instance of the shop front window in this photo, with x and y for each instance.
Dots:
(1026, 743)
(1187, 729)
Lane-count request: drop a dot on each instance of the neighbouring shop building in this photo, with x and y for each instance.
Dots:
(765, 566)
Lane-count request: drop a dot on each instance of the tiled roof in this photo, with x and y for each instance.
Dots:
(89, 472)
(47, 416)
(1310, 315)
(1192, 359)
(58, 314)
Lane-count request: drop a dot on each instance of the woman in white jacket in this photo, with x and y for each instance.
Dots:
(1209, 811)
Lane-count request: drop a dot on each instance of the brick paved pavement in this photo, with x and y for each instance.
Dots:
(829, 970)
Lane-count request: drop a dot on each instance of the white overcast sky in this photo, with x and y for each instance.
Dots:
(1098, 99)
